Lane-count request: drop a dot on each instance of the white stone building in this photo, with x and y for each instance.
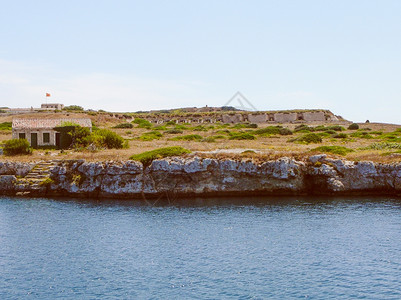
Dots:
(41, 132)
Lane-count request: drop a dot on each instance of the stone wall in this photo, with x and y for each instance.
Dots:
(314, 116)
(285, 118)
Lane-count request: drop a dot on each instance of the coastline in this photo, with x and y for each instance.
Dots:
(179, 177)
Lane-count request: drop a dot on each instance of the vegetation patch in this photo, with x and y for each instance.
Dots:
(173, 131)
(308, 138)
(17, 147)
(340, 136)
(142, 123)
(147, 157)
(6, 126)
(188, 137)
(384, 146)
(242, 136)
(108, 139)
(150, 136)
(353, 126)
(339, 150)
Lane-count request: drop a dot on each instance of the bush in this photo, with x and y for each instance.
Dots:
(340, 136)
(303, 128)
(353, 126)
(124, 125)
(147, 157)
(285, 131)
(188, 137)
(142, 123)
(74, 107)
(108, 139)
(173, 131)
(308, 138)
(17, 147)
(334, 150)
(242, 136)
(335, 128)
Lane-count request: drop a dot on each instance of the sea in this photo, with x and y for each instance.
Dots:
(215, 248)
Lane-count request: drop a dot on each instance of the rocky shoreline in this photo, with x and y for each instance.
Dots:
(201, 177)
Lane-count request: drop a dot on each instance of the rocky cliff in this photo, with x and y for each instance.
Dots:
(195, 176)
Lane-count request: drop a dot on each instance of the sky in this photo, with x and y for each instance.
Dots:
(122, 56)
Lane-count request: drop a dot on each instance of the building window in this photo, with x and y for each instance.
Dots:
(21, 135)
(46, 137)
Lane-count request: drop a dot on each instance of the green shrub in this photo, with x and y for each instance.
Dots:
(384, 146)
(147, 157)
(353, 126)
(124, 125)
(303, 128)
(199, 128)
(180, 127)
(361, 134)
(242, 136)
(150, 136)
(108, 139)
(160, 127)
(285, 131)
(173, 131)
(340, 136)
(308, 138)
(6, 126)
(335, 128)
(334, 150)
(17, 147)
(188, 137)
(74, 108)
(142, 123)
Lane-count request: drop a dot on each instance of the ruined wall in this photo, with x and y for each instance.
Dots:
(260, 118)
(314, 116)
(285, 118)
(237, 118)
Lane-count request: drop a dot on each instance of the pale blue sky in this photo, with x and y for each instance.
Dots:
(139, 55)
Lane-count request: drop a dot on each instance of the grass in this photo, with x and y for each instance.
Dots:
(340, 150)
(242, 136)
(150, 136)
(6, 126)
(147, 157)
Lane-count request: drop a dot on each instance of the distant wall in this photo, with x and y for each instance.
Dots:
(261, 118)
(237, 118)
(285, 118)
(314, 116)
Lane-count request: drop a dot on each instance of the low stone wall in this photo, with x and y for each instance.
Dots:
(185, 177)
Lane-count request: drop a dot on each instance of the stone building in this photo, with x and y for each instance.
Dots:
(41, 132)
(52, 106)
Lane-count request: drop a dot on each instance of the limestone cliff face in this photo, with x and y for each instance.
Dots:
(207, 177)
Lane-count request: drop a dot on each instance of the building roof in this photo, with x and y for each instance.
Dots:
(48, 123)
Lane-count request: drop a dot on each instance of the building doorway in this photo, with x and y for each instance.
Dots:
(34, 140)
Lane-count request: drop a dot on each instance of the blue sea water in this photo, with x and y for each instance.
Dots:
(256, 248)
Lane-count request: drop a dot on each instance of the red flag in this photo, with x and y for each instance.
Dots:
(47, 95)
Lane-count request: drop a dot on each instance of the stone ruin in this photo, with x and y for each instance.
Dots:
(307, 116)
